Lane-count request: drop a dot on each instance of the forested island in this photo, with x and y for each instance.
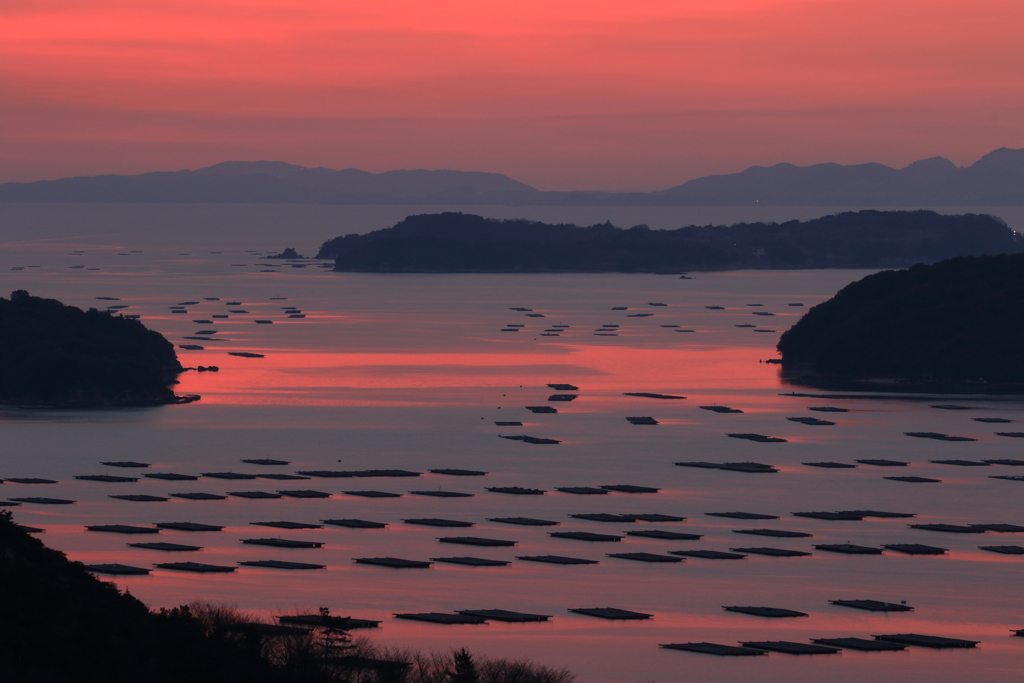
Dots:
(465, 243)
(958, 322)
(57, 355)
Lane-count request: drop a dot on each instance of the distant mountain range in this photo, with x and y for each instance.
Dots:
(997, 179)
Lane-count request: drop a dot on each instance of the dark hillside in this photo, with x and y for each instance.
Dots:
(958, 321)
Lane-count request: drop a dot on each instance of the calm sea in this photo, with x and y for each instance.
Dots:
(412, 372)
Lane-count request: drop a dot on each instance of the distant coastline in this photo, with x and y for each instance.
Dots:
(997, 179)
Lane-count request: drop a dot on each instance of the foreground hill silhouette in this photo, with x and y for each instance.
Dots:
(960, 321)
(60, 624)
(997, 179)
(457, 242)
(57, 355)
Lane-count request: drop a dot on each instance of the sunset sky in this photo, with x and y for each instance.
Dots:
(564, 94)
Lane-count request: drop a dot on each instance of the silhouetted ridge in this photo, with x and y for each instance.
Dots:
(457, 242)
(958, 321)
(54, 354)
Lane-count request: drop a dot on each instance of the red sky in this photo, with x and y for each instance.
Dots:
(561, 94)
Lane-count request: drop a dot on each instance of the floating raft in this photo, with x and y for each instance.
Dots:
(740, 515)
(881, 462)
(629, 488)
(860, 644)
(752, 467)
(812, 421)
(938, 436)
(288, 525)
(992, 420)
(475, 540)
(609, 613)
(304, 493)
(777, 533)
(167, 547)
(555, 559)
(664, 535)
(516, 490)
(831, 516)
(198, 496)
(434, 521)
(714, 648)
(442, 618)
(281, 543)
(355, 523)
(721, 409)
(645, 394)
(915, 549)
(772, 552)
(125, 463)
(442, 494)
(393, 562)
(259, 495)
(460, 473)
(790, 648)
(281, 477)
(829, 409)
(830, 465)
(30, 529)
(266, 461)
(141, 498)
(504, 615)
(708, 554)
(926, 641)
(30, 480)
(1000, 528)
(873, 605)
(228, 475)
(1003, 549)
(585, 536)
(881, 514)
(653, 517)
(471, 561)
(188, 526)
(946, 406)
(1016, 435)
(280, 564)
(949, 528)
(646, 420)
(509, 423)
(765, 611)
(645, 557)
(196, 567)
(1009, 477)
(123, 529)
(319, 620)
(372, 494)
(564, 387)
(170, 476)
(530, 439)
(326, 474)
(915, 480)
(116, 569)
(542, 410)
(43, 501)
(242, 354)
(523, 521)
(961, 463)
(582, 490)
(759, 438)
(603, 517)
(849, 549)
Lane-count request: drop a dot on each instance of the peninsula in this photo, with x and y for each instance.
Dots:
(61, 356)
(955, 323)
(465, 243)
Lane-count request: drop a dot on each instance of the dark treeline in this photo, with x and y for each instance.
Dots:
(60, 624)
(457, 242)
(958, 321)
(54, 354)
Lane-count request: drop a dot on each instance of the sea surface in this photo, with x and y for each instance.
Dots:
(412, 371)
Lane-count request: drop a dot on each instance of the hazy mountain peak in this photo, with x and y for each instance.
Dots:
(234, 169)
